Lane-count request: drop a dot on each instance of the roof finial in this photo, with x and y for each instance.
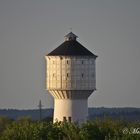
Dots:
(70, 29)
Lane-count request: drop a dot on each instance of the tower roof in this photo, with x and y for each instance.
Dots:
(71, 47)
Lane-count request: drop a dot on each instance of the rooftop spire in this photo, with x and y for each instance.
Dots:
(70, 36)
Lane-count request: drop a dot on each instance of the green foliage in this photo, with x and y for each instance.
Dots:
(91, 131)
(70, 131)
(26, 129)
(4, 122)
(31, 131)
(24, 119)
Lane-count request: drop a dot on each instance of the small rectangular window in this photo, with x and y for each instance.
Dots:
(67, 75)
(64, 119)
(69, 119)
(82, 75)
(67, 62)
(82, 62)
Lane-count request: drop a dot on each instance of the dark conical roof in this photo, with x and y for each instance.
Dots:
(71, 47)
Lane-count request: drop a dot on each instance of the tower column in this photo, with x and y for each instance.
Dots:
(75, 110)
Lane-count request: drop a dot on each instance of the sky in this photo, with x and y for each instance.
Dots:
(30, 29)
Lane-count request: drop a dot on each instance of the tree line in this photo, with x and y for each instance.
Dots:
(24, 128)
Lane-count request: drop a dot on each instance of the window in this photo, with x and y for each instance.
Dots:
(82, 62)
(67, 62)
(64, 119)
(67, 75)
(69, 119)
(82, 75)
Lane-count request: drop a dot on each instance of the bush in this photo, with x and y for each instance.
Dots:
(4, 122)
(26, 129)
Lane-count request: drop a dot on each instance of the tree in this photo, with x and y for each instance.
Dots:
(4, 122)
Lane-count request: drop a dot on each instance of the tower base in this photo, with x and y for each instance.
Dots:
(72, 110)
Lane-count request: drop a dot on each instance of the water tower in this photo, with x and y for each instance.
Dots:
(70, 79)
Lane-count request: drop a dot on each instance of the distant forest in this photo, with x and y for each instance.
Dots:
(127, 114)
